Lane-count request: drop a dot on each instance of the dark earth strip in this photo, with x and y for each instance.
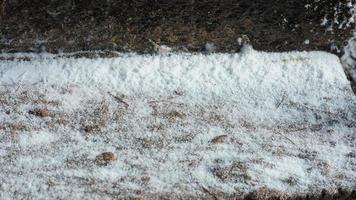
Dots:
(188, 25)
(265, 194)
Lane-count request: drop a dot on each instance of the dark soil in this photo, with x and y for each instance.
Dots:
(261, 194)
(74, 25)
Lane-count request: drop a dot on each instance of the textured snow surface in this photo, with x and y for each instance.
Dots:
(177, 123)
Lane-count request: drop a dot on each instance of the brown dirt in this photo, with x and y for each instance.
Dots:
(73, 25)
(260, 194)
(267, 194)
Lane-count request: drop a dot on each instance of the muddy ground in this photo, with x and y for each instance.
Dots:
(188, 25)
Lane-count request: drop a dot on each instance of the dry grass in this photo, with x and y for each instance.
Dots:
(219, 139)
(235, 171)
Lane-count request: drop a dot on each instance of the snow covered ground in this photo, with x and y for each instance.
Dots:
(183, 124)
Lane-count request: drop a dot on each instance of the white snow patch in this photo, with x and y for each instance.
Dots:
(36, 138)
(289, 121)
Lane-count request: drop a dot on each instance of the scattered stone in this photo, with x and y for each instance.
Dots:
(105, 158)
(39, 112)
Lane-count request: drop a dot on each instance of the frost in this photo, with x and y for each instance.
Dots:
(36, 139)
(209, 47)
(177, 123)
(337, 19)
(349, 61)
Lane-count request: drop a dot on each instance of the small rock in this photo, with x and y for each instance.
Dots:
(88, 129)
(105, 158)
(160, 49)
(316, 127)
(39, 112)
(145, 179)
(351, 155)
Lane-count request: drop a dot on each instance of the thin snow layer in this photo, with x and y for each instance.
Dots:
(178, 124)
(349, 58)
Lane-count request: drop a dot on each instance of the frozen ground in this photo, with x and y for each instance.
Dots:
(189, 125)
